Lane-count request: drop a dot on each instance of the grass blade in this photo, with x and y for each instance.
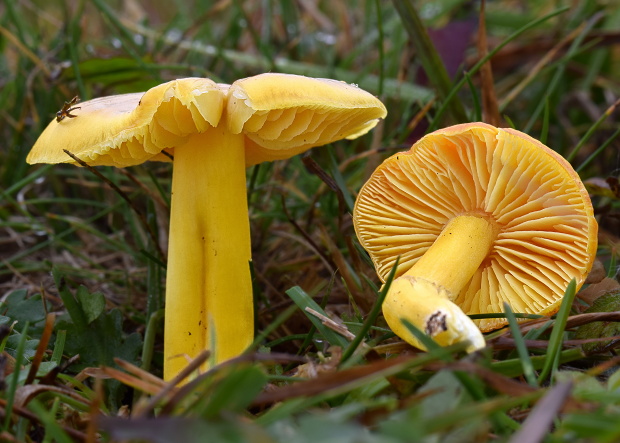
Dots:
(524, 356)
(303, 301)
(555, 341)
(281, 318)
(14, 379)
(540, 420)
(544, 133)
(477, 117)
(598, 150)
(571, 156)
(457, 87)
(430, 59)
(473, 386)
(427, 341)
(555, 80)
(514, 368)
(381, 50)
(372, 316)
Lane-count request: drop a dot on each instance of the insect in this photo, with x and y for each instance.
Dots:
(67, 108)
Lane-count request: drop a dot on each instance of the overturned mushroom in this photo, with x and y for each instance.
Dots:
(214, 131)
(479, 216)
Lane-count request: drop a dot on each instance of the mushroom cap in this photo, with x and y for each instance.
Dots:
(547, 231)
(129, 129)
(281, 115)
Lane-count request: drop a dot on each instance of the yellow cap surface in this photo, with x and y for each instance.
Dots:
(283, 115)
(128, 129)
(280, 114)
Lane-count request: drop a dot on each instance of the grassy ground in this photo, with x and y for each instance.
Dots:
(80, 276)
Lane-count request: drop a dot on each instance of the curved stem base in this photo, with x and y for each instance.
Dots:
(424, 294)
(427, 306)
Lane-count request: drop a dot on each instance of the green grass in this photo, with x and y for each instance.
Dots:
(90, 249)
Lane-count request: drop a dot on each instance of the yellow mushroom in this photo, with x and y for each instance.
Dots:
(213, 131)
(479, 216)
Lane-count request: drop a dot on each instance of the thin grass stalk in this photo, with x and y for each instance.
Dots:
(273, 325)
(37, 359)
(463, 416)
(59, 346)
(48, 419)
(561, 68)
(15, 19)
(571, 156)
(279, 341)
(264, 49)
(535, 334)
(303, 300)
(372, 316)
(14, 378)
(163, 193)
(141, 218)
(53, 411)
(540, 420)
(19, 185)
(503, 315)
(67, 232)
(310, 335)
(427, 341)
(597, 152)
(473, 387)
(298, 404)
(596, 62)
(457, 87)
(128, 38)
(490, 108)
(477, 117)
(613, 270)
(74, 34)
(544, 132)
(392, 87)
(524, 356)
(380, 48)
(514, 368)
(149, 339)
(429, 57)
(555, 340)
(154, 267)
(542, 64)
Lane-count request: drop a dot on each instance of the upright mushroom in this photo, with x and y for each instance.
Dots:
(478, 216)
(213, 131)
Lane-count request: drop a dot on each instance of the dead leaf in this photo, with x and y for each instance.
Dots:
(596, 290)
(597, 273)
(24, 394)
(540, 419)
(608, 187)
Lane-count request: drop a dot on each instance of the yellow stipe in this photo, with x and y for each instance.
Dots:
(208, 280)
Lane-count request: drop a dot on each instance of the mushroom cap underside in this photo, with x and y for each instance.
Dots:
(547, 231)
(281, 115)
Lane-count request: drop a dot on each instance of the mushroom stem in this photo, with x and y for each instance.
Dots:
(424, 294)
(209, 301)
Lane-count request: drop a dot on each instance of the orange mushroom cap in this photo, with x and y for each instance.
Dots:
(546, 230)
